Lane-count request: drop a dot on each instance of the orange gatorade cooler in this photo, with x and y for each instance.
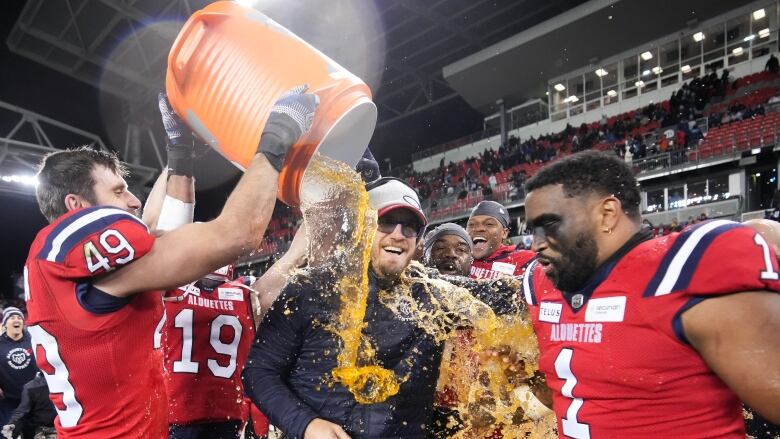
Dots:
(228, 66)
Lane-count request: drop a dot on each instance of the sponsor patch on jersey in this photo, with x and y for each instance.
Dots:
(191, 289)
(503, 267)
(606, 309)
(231, 294)
(550, 312)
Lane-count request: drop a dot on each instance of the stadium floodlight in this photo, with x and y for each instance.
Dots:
(611, 93)
(737, 51)
(686, 68)
(28, 180)
(759, 14)
(559, 87)
(749, 38)
(763, 33)
(639, 83)
(572, 98)
(647, 56)
(601, 72)
(698, 36)
(657, 70)
(645, 72)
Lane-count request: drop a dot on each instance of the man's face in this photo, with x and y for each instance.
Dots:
(391, 252)
(111, 190)
(451, 255)
(563, 232)
(486, 233)
(14, 325)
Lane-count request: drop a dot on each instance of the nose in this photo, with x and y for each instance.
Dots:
(398, 232)
(540, 241)
(132, 201)
(451, 254)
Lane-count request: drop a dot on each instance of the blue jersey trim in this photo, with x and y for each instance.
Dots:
(76, 236)
(690, 263)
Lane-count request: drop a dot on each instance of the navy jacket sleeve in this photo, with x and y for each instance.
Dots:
(273, 354)
(501, 294)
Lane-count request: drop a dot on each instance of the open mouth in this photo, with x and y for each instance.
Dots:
(393, 250)
(16, 325)
(447, 266)
(478, 240)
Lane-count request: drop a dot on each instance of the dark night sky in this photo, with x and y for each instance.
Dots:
(35, 87)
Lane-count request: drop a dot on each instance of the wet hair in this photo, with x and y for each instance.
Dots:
(70, 172)
(592, 172)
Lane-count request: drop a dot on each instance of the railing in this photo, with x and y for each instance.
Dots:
(452, 144)
(729, 208)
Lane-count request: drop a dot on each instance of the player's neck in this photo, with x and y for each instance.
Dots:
(611, 241)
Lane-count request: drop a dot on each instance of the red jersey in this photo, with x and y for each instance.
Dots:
(206, 339)
(103, 373)
(505, 261)
(615, 354)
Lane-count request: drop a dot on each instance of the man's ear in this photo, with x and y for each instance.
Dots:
(505, 234)
(609, 209)
(74, 202)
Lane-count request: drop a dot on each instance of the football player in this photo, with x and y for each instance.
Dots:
(643, 337)
(94, 274)
(488, 227)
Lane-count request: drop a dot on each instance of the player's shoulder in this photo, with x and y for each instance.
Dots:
(521, 256)
(56, 240)
(717, 255)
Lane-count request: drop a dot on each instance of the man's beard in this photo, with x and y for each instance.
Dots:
(577, 264)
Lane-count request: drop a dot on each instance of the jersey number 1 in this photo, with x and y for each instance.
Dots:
(769, 273)
(571, 427)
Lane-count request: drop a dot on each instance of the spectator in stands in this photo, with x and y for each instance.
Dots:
(34, 417)
(16, 361)
(772, 64)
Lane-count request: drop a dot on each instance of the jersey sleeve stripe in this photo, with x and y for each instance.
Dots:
(80, 225)
(677, 267)
(528, 283)
(677, 325)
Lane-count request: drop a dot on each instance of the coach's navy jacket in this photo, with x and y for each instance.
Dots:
(288, 372)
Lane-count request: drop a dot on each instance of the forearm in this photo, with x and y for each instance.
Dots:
(193, 250)
(267, 288)
(181, 187)
(249, 207)
(154, 201)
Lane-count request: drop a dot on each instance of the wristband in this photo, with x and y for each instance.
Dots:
(175, 213)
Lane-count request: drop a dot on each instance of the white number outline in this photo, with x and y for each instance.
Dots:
(90, 251)
(769, 273)
(186, 365)
(571, 427)
(59, 383)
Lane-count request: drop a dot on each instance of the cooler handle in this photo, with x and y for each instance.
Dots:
(188, 41)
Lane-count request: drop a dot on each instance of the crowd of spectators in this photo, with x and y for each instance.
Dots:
(669, 126)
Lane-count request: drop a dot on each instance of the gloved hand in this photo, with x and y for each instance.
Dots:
(7, 431)
(291, 116)
(368, 167)
(180, 144)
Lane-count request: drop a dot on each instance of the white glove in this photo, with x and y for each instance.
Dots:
(8, 431)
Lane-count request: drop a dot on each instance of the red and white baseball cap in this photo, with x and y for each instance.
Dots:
(388, 193)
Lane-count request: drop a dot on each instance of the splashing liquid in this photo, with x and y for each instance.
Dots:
(332, 187)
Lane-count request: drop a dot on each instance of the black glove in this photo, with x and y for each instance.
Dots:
(291, 116)
(368, 167)
(180, 141)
